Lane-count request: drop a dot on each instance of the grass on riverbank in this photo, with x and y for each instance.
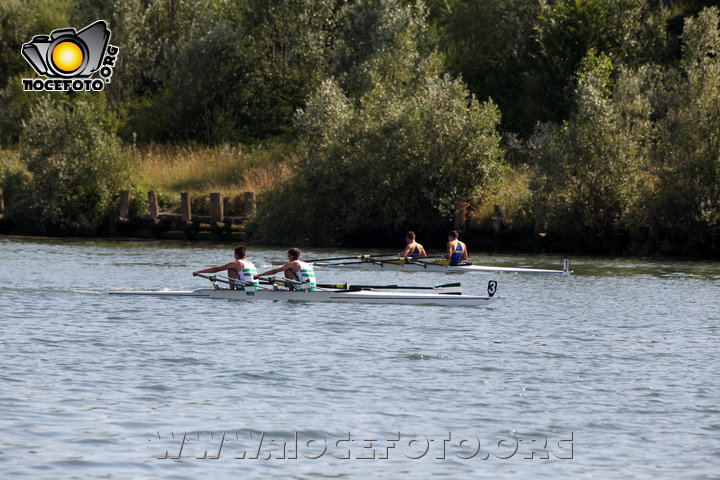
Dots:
(203, 169)
(512, 191)
(169, 169)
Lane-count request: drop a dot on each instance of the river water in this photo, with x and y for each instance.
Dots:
(610, 373)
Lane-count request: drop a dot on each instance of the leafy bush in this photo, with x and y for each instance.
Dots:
(74, 159)
(396, 162)
(589, 169)
(640, 158)
(14, 179)
(687, 161)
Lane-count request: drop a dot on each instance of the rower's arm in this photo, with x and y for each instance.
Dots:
(449, 251)
(406, 252)
(227, 266)
(273, 271)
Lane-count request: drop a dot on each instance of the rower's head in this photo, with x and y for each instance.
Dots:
(453, 235)
(294, 254)
(410, 236)
(240, 253)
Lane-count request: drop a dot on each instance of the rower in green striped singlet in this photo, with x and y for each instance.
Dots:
(241, 269)
(296, 269)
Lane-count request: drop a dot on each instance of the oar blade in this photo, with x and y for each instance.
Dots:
(449, 289)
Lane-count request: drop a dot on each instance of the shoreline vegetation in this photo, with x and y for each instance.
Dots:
(568, 126)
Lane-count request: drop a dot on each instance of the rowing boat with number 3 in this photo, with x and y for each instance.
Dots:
(271, 289)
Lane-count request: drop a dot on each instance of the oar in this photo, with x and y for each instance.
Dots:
(230, 281)
(287, 282)
(273, 281)
(261, 280)
(214, 278)
(354, 257)
(450, 288)
(415, 260)
(236, 281)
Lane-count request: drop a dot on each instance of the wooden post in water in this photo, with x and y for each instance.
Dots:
(460, 207)
(216, 207)
(249, 205)
(498, 218)
(152, 205)
(186, 207)
(2, 201)
(124, 204)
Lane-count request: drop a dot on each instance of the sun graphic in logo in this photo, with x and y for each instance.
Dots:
(67, 56)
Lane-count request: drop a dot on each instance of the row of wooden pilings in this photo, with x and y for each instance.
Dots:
(244, 203)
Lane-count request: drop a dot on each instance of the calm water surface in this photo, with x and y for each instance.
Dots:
(610, 373)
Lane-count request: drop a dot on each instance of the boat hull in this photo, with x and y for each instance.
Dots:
(432, 267)
(363, 296)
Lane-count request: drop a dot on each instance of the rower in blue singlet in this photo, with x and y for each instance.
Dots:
(413, 248)
(456, 250)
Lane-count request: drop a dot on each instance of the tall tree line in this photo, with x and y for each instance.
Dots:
(609, 106)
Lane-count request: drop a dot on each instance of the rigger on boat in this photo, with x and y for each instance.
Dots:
(287, 289)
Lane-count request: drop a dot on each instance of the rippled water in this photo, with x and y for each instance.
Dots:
(616, 367)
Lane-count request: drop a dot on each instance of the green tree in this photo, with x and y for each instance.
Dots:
(378, 36)
(74, 160)
(491, 45)
(628, 31)
(395, 150)
(688, 153)
(398, 161)
(20, 21)
(590, 170)
(142, 30)
(242, 70)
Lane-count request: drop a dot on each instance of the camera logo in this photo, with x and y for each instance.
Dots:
(69, 59)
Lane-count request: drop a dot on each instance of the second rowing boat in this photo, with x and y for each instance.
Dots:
(416, 265)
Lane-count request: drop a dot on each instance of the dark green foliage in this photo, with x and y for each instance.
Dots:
(590, 168)
(640, 156)
(375, 32)
(74, 163)
(627, 31)
(20, 20)
(491, 45)
(525, 53)
(687, 161)
(397, 161)
(608, 110)
(14, 178)
(395, 150)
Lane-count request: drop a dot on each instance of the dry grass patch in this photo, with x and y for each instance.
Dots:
(202, 169)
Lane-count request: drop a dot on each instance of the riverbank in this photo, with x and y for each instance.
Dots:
(173, 187)
(485, 248)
